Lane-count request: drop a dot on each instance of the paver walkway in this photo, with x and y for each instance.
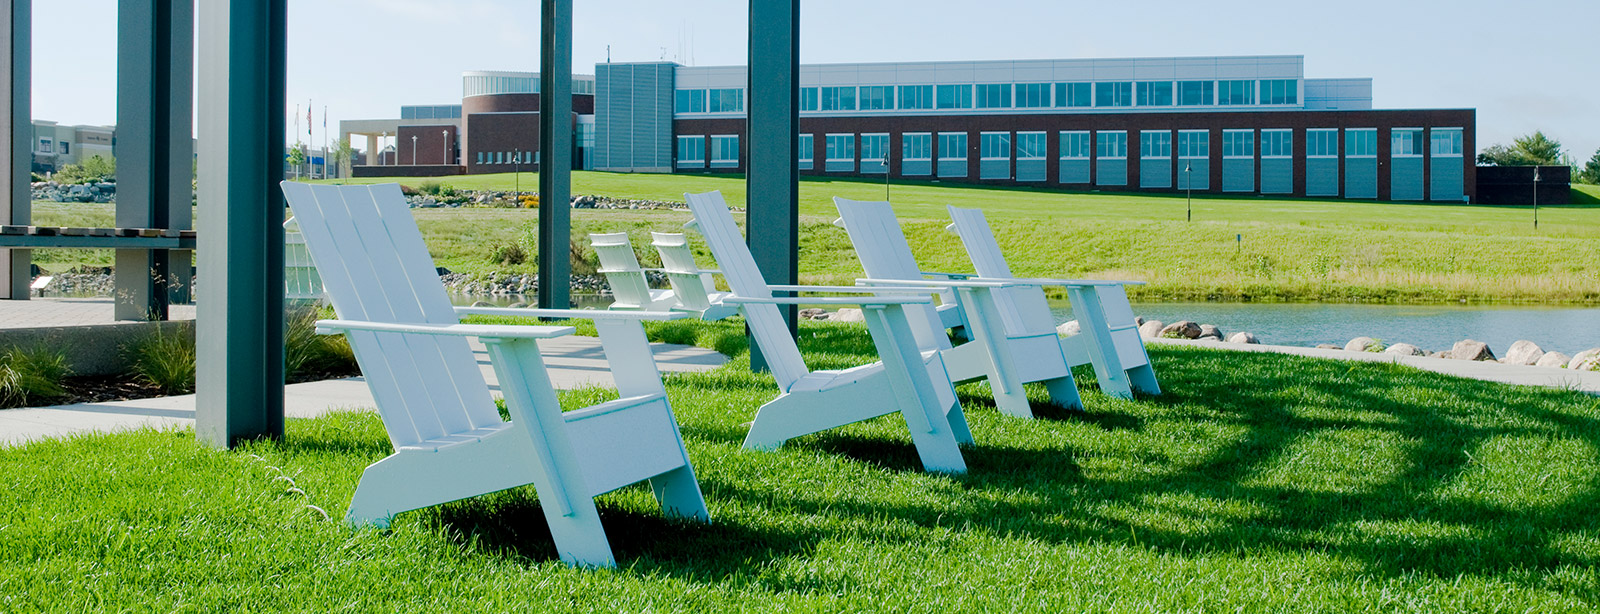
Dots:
(573, 362)
(51, 312)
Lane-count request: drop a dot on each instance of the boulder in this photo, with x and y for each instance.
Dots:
(1438, 355)
(1208, 331)
(1243, 337)
(1328, 346)
(848, 314)
(1405, 349)
(1468, 349)
(1554, 360)
(811, 313)
(1364, 344)
(1182, 329)
(1151, 329)
(1069, 328)
(517, 306)
(1524, 353)
(1138, 320)
(1587, 360)
(482, 304)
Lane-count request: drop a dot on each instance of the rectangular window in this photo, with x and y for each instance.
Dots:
(1031, 145)
(1238, 143)
(916, 146)
(1280, 91)
(1445, 142)
(1197, 93)
(726, 101)
(1236, 92)
(1033, 95)
(1406, 142)
(66, 148)
(952, 145)
(877, 97)
(691, 150)
(994, 95)
(1155, 144)
(1073, 95)
(1111, 145)
(1155, 94)
(691, 101)
(725, 149)
(1277, 143)
(808, 150)
(874, 150)
(841, 147)
(1361, 142)
(1075, 145)
(1113, 94)
(839, 98)
(955, 96)
(1322, 142)
(808, 99)
(45, 146)
(480, 157)
(1194, 144)
(995, 146)
(916, 96)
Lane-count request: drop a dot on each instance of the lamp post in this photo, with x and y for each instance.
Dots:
(516, 170)
(381, 139)
(885, 177)
(413, 150)
(1535, 198)
(446, 135)
(1188, 183)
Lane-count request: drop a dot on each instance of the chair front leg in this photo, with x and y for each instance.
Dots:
(931, 431)
(1102, 349)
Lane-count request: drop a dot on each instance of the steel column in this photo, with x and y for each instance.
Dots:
(772, 201)
(555, 157)
(155, 88)
(16, 130)
(240, 305)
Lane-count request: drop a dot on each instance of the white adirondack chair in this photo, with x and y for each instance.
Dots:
(908, 380)
(1007, 361)
(694, 288)
(627, 279)
(450, 442)
(1110, 339)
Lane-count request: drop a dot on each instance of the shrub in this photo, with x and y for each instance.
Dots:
(93, 170)
(306, 353)
(584, 260)
(30, 376)
(508, 254)
(165, 360)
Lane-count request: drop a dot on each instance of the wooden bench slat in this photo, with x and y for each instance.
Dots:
(13, 230)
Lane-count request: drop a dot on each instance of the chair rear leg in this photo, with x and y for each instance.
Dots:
(1143, 378)
(958, 425)
(679, 494)
(1064, 392)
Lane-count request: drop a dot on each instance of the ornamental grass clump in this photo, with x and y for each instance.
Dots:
(165, 360)
(31, 376)
(306, 353)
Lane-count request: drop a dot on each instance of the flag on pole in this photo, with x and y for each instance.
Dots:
(309, 125)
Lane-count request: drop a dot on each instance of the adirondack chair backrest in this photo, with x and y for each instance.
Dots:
(692, 287)
(766, 323)
(885, 254)
(1024, 309)
(375, 267)
(621, 268)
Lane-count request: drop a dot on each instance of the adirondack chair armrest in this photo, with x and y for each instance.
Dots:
(949, 276)
(1080, 283)
(912, 288)
(934, 284)
(574, 314)
(828, 300)
(484, 331)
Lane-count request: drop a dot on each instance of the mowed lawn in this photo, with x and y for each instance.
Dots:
(1257, 483)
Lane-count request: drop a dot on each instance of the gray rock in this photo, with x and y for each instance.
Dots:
(1405, 349)
(811, 313)
(1364, 344)
(1151, 329)
(1138, 320)
(1468, 349)
(1069, 328)
(1587, 360)
(482, 304)
(1439, 355)
(1524, 353)
(1243, 337)
(1182, 329)
(1328, 346)
(1555, 360)
(518, 306)
(848, 314)
(1209, 331)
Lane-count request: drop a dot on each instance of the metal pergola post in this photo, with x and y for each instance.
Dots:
(16, 105)
(555, 159)
(772, 201)
(240, 319)
(155, 88)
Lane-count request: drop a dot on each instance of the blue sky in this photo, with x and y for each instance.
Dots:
(1522, 68)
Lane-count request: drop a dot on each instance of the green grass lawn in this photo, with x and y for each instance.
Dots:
(1258, 483)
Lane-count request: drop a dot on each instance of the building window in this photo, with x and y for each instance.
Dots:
(1322, 142)
(839, 98)
(1031, 145)
(955, 96)
(994, 96)
(995, 146)
(691, 101)
(1361, 142)
(480, 157)
(1073, 95)
(917, 147)
(1033, 95)
(916, 96)
(1236, 92)
(808, 150)
(1445, 142)
(1277, 143)
(1155, 144)
(874, 148)
(66, 148)
(1197, 93)
(45, 146)
(1113, 94)
(841, 147)
(1075, 145)
(1280, 91)
(727, 101)
(877, 97)
(1194, 144)
(1406, 142)
(1155, 94)
(808, 99)
(952, 145)
(1111, 145)
(1238, 143)
(725, 149)
(692, 150)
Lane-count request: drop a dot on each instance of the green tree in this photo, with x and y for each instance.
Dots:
(1591, 170)
(297, 157)
(93, 170)
(342, 153)
(1531, 150)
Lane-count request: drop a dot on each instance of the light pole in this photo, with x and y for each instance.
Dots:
(446, 134)
(516, 170)
(1188, 183)
(413, 150)
(885, 177)
(381, 139)
(1535, 198)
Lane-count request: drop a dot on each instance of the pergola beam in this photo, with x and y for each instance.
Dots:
(555, 154)
(772, 201)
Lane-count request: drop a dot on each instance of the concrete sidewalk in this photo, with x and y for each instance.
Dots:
(574, 362)
(1547, 377)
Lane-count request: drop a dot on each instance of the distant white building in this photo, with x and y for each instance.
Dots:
(55, 145)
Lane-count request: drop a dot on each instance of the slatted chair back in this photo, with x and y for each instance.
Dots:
(1024, 309)
(375, 267)
(766, 322)
(692, 287)
(621, 268)
(885, 254)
